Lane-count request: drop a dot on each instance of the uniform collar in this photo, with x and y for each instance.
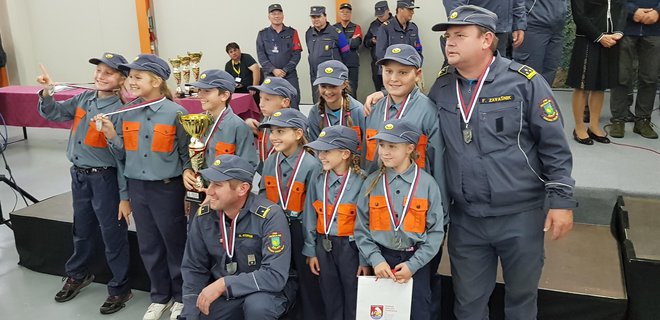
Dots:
(291, 160)
(335, 178)
(491, 75)
(323, 30)
(104, 102)
(407, 176)
(284, 27)
(413, 95)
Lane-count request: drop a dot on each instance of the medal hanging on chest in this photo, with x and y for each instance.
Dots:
(326, 242)
(397, 242)
(229, 242)
(468, 109)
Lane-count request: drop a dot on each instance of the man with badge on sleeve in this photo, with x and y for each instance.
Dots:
(236, 262)
(279, 49)
(509, 167)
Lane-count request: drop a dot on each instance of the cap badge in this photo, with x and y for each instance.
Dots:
(329, 70)
(267, 81)
(453, 15)
(389, 126)
(136, 58)
(203, 76)
(217, 163)
(108, 56)
(277, 114)
(322, 134)
(396, 50)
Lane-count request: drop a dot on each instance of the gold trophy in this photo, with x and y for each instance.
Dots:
(195, 125)
(185, 72)
(195, 57)
(176, 63)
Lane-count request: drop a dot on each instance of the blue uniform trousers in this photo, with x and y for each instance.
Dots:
(258, 305)
(421, 296)
(96, 203)
(161, 230)
(338, 277)
(475, 244)
(541, 50)
(309, 301)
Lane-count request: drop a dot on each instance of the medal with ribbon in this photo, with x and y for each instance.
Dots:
(284, 199)
(467, 110)
(396, 222)
(99, 122)
(327, 225)
(215, 126)
(228, 242)
(342, 116)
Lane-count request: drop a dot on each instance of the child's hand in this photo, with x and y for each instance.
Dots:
(189, 179)
(314, 266)
(124, 211)
(363, 271)
(383, 270)
(253, 124)
(371, 100)
(402, 273)
(107, 127)
(44, 80)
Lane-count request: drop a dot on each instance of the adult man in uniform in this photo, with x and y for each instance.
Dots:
(382, 12)
(236, 263)
(353, 34)
(279, 48)
(324, 42)
(401, 29)
(506, 159)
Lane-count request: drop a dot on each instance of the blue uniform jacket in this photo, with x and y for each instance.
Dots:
(633, 28)
(329, 43)
(547, 13)
(278, 50)
(519, 155)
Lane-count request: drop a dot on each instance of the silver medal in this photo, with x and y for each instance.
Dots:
(232, 267)
(467, 135)
(99, 124)
(327, 245)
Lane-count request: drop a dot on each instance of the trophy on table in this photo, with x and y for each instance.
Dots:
(176, 63)
(185, 71)
(195, 125)
(195, 57)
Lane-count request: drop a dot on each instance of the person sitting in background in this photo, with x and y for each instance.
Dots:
(244, 69)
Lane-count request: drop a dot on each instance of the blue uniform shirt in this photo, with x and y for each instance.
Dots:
(278, 50)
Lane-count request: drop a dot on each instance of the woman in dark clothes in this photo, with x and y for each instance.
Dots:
(594, 62)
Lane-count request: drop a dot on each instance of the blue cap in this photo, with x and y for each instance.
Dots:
(274, 6)
(229, 167)
(287, 118)
(317, 11)
(380, 8)
(148, 62)
(215, 78)
(410, 4)
(336, 137)
(398, 131)
(277, 87)
(404, 54)
(469, 15)
(331, 72)
(346, 5)
(113, 61)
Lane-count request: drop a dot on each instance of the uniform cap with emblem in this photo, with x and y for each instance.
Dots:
(346, 5)
(336, 137)
(277, 87)
(112, 60)
(316, 11)
(215, 78)
(398, 131)
(469, 15)
(402, 53)
(229, 167)
(331, 72)
(274, 6)
(380, 8)
(287, 118)
(148, 62)
(409, 4)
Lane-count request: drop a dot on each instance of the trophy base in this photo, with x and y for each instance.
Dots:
(194, 196)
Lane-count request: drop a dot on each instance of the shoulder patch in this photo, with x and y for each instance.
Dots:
(275, 244)
(443, 71)
(337, 29)
(203, 210)
(262, 212)
(527, 71)
(548, 111)
(386, 22)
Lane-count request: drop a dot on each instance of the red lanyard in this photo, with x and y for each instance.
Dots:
(399, 114)
(390, 208)
(215, 126)
(466, 110)
(228, 240)
(289, 184)
(263, 145)
(342, 116)
(327, 224)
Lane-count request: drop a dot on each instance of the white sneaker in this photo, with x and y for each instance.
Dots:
(156, 310)
(177, 307)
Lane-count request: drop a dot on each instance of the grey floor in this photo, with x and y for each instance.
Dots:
(39, 165)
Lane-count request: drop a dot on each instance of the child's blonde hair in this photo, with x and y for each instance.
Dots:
(346, 105)
(163, 88)
(381, 170)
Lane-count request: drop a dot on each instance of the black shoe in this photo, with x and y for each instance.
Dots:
(586, 114)
(115, 303)
(601, 139)
(586, 140)
(72, 287)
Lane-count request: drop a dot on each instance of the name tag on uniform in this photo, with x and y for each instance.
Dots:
(238, 79)
(251, 260)
(275, 50)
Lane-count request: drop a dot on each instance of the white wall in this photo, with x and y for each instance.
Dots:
(64, 34)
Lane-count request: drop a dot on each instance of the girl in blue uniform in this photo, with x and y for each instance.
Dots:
(400, 218)
(329, 221)
(155, 147)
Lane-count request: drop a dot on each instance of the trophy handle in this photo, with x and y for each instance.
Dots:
(179, 114)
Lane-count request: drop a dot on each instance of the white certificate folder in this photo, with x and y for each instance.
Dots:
(383, 299)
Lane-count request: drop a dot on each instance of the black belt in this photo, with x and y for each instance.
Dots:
(91, 170)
